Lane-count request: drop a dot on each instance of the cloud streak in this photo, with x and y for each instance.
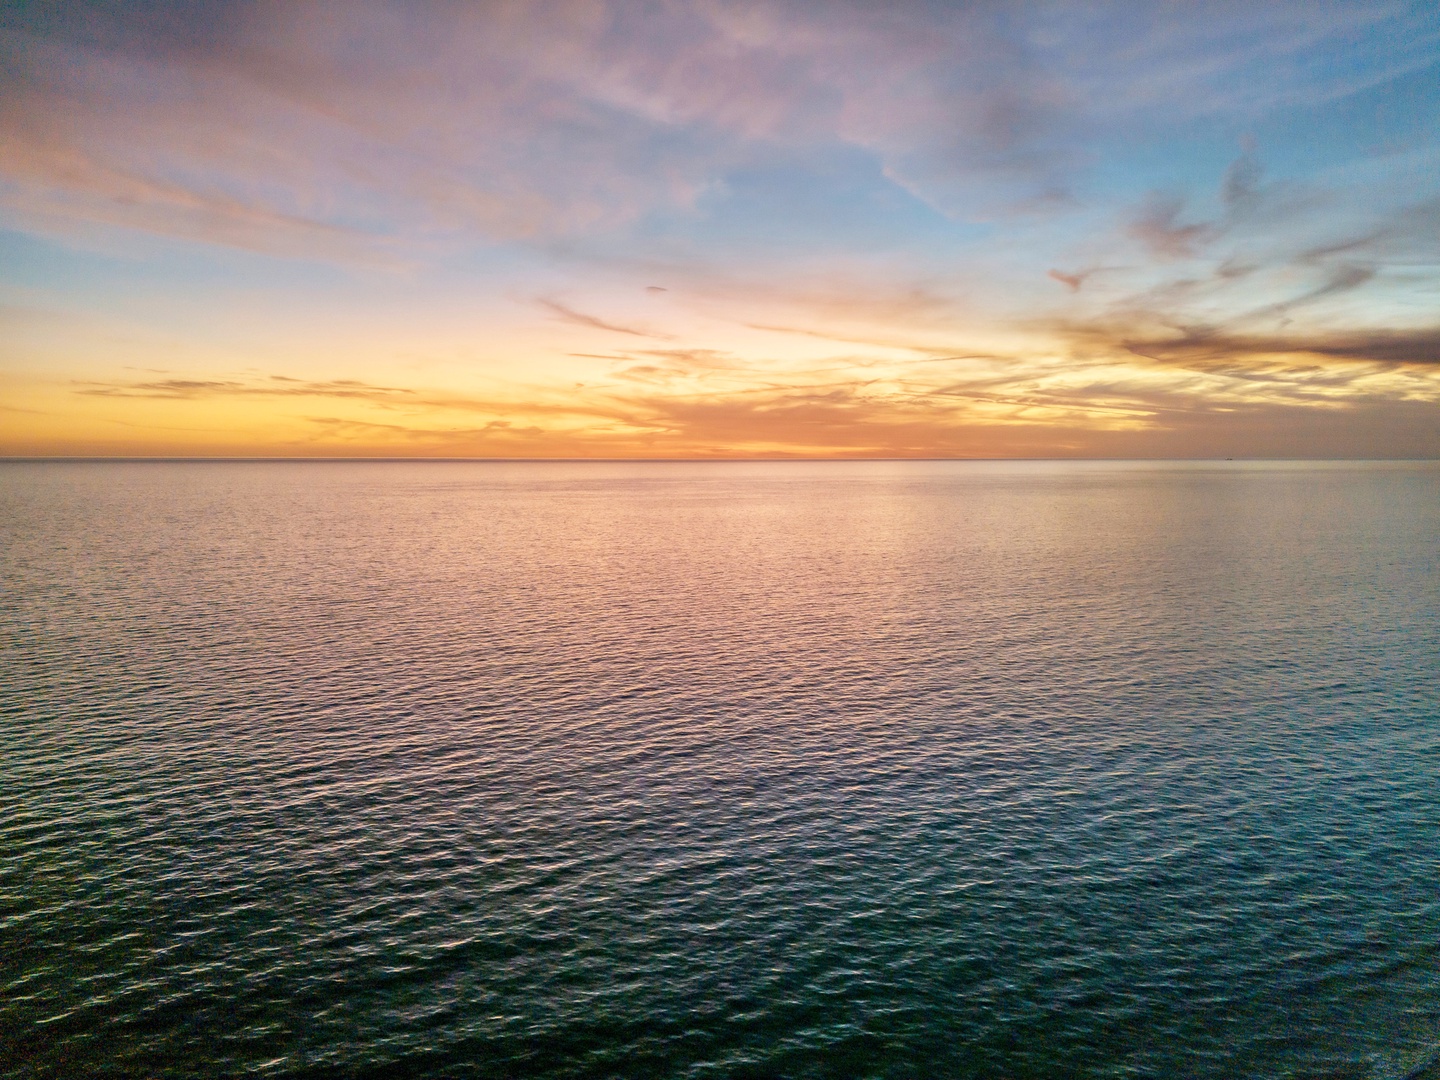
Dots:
(276, 386)
(579, 318)
(1201, 345)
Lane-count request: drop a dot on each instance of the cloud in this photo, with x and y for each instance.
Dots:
(1408, 234)
(1266, 296)
(696, 359)
(580, 318)
(707, 143)
(56, 186)
(348, 131)
(347, 429)
(1341, 279)
(1419, 345)
(676, 402)
(1125, 417)
(274, 386)
(1070, 281)
(1242, 180)
(1158, 227)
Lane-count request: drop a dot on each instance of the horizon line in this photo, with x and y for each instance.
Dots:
(358, 458)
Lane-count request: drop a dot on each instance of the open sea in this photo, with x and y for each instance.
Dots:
(867, 769)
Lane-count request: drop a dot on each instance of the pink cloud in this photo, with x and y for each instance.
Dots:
(264, 125)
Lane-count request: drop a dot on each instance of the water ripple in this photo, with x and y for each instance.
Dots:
(881, 769)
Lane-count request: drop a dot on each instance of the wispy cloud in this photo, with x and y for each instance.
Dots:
(568, 314)
(344, 429)
(1159, 228)
(303, 126)
(273, 386)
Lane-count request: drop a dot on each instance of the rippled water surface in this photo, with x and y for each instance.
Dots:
(708, 770)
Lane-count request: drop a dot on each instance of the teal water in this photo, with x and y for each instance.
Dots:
(720, 770)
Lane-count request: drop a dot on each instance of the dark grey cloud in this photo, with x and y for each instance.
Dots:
(1218, 346)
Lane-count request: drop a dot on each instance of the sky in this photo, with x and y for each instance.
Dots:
(720, 228)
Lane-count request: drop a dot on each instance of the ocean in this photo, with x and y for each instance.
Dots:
(771, 769)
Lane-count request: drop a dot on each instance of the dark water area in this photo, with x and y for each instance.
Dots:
(720, 770)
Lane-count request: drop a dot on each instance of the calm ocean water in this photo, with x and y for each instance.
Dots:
(720, 770)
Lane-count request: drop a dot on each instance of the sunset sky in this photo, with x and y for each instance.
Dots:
(720, 228)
